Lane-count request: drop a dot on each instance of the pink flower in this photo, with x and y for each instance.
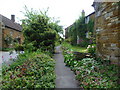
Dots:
(10, 56)
(77, 72)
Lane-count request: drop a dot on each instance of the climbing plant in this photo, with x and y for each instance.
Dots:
(77, 29)
(90, 26)
(8, 40)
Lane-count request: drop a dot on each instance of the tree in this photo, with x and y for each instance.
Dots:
(77, 29)
(54, 24)
(37, 29)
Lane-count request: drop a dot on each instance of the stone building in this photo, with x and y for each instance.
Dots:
(90, 16)
(10, 32)
(107, 27)
(88, 19)
(0, 31)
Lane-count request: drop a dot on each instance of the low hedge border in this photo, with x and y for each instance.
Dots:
(92, 73)
(31, 70)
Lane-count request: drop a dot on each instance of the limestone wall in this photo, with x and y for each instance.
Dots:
(107, 26)
(0, 32)
(13, 33)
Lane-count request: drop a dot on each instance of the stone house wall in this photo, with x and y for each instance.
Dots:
(90, 17)
(0, 32)
(107, 26)
(87, 19)
(13, 33)
(10, 31)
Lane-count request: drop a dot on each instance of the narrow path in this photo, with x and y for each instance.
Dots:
(65, 77)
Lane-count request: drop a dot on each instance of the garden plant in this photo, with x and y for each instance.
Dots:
(92, 72)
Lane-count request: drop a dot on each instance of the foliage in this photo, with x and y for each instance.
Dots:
(39, 30)
(68, 40)
(92, 49)
(54, 25)
(84, 42)
(19, 47)
(29, 47)
(81, 27)
(92, 73)
(25, 47)
(8, 40)
(77, 29)
(68, 58)
(31, 70)
(90, 26)
(6, 49)
(74, 48)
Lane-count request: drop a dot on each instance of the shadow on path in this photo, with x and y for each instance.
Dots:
(65, 77)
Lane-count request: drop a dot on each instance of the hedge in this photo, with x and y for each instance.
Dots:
(31, 70)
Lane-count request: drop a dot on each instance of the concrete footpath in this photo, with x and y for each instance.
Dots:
(65, 77)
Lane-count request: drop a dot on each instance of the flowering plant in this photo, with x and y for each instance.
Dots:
(91, 49)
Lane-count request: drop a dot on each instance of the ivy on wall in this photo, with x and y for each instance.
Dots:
(79, 29)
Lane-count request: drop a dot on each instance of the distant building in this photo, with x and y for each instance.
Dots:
(10, 32)
(87, 20)
(90, 16)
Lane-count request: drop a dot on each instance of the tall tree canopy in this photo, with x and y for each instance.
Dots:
(38, 29)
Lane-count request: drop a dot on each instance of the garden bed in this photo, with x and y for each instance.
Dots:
(31, 70)
(90, 72)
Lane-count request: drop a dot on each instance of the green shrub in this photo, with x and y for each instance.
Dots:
(83, 44)
(38, 30)
(92, 72)
(95, 75)
(29, 47)
(6, 49)
(31, 70)
(19, 47)
(91, 49)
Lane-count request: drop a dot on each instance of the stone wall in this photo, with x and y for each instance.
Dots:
(0, 32)
(13, 33)
(107, 26)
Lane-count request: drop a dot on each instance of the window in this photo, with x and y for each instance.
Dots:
(87, 20)
(11, 33)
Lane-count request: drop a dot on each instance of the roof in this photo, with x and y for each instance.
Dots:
(10, 24)
(90, 14)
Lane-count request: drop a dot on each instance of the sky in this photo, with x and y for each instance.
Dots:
(67, 11)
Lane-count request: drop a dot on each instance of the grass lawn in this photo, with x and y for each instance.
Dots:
(74, 48)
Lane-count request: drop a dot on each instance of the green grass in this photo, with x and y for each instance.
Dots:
(74, 48)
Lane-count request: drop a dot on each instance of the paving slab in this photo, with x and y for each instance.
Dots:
(65, 78)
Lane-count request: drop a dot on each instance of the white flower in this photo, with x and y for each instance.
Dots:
(88, 46)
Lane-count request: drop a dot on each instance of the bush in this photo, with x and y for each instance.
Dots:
(92, 73)
(91, 49)
(6, 49)
(36, 29)
(69, 40)
(84, 43)
(19, 47)
(31, 70)
(29, 47)
(95, 75)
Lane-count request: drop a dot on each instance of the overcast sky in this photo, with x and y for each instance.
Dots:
(66, 10)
